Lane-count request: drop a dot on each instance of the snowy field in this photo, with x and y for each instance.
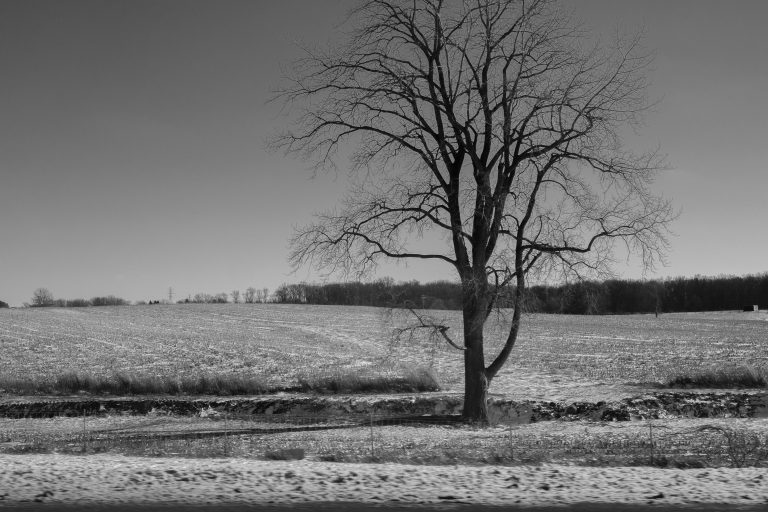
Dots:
(557, 357)
(111, 479)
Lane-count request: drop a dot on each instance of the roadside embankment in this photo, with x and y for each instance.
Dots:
(687, 404)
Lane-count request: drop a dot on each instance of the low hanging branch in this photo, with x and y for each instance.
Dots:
(426, 322)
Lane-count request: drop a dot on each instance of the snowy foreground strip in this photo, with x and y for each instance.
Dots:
(115, 479)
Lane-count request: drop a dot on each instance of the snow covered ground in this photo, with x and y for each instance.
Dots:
(118, 479)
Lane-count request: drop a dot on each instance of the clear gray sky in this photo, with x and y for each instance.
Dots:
(132, 155)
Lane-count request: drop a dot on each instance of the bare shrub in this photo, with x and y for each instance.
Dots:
(744, 448)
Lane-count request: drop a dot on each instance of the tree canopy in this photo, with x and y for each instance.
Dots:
(490, 125)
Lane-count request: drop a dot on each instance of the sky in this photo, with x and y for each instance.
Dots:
(133, 134)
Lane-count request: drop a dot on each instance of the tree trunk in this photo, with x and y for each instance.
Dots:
(475, 380)
(475, 387)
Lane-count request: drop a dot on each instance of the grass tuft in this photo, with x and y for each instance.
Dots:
(124, 384)
(355, 383)
(739, 377)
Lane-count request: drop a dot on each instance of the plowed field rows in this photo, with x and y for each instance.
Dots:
(281, 343)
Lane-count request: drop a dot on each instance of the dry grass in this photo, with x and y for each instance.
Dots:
(411, 382)
(739, 377)
(122, 384)
(679, 443)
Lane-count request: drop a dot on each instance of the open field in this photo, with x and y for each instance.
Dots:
(562, 359)
(556, 357)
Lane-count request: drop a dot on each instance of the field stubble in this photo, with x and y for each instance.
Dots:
(556, 357)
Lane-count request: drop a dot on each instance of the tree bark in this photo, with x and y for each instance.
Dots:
(475, 379)
(476, 386)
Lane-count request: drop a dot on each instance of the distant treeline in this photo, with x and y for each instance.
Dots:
(590, 297)
(109, 300)
(669, 295)
(43, 298)
(383, 292)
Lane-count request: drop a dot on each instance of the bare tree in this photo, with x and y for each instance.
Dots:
(265, 295)
(42, 297)
(250, 295)
(261, 295)
(235, 296)
(490, 124)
